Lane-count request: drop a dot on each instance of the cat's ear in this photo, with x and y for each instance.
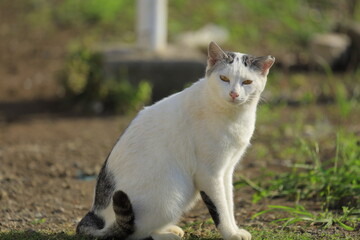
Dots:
(263, 64)
(215, 54)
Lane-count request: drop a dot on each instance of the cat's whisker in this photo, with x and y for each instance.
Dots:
(253, 97)
(263, 100)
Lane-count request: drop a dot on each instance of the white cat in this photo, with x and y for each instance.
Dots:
(183, 145)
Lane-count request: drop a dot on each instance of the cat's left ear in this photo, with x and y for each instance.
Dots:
(263, 64)
(215, 54)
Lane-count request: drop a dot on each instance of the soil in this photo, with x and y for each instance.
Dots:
(49, 156)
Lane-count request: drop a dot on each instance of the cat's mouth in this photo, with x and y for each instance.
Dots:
(236, 101)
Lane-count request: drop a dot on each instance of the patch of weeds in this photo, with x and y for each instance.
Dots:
(202, 231)
(71, 12)
(294, 234)
(344, 104)
(334, 181)
(346, 220)
(85, 84)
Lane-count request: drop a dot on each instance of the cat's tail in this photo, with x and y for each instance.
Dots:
(93, 225)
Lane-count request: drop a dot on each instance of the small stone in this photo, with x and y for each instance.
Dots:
(59, 210)
(202, 37)
(328, 48)
(3, 195)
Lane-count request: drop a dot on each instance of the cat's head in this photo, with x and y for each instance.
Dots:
(236, 77)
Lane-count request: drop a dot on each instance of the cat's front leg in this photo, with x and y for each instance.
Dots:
(213, 193)
(228, 184)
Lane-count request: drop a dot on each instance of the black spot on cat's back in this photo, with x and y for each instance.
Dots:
(105, 184)
(105, 187)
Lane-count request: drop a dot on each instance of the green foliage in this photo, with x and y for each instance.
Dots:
(200, 230)
(85, 84)
(347, 220)
(102, 19)
(75, 12)
(335, 181)
(286, 25)
(249, 22)
(121, 96)
(344, 103)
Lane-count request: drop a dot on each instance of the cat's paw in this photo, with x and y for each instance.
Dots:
(176, 230)
(241, 234)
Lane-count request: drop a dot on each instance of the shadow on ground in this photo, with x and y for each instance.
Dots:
(34, 235)
(22, 111)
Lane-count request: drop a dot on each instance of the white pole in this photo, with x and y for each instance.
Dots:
(152, 24)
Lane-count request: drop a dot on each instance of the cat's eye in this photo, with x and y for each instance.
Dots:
(224, 78)
(247, 82)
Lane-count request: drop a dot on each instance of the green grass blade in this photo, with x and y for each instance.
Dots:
(344, 226)
(261, 213)
(280, 220)
(291, 210)
(292, 221)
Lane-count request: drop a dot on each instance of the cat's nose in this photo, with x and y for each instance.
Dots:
(233, 95)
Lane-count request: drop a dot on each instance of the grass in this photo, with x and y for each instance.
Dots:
(332, 181)
(347, 220)
(206, 230)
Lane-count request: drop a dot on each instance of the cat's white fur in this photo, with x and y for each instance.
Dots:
(183, 144)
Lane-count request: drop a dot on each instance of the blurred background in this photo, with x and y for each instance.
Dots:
(84, 50)
(74, 72)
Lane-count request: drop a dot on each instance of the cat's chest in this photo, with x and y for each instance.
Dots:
(224, 139)
(233, 136)
(232, 130)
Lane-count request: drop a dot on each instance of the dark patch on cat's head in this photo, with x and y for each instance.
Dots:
(218, 57)
(247, 60)
(262, 64)
(230, 57)
(259, 64)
